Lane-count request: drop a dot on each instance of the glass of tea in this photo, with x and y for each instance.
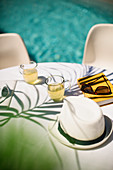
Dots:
(56, 87)
(30, 73)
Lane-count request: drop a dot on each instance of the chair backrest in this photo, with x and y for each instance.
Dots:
(12, 50)
(99, 46)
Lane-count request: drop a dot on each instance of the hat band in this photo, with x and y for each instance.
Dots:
(80, 142)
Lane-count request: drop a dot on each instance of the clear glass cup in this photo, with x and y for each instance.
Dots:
(56, 87)
(30, 73)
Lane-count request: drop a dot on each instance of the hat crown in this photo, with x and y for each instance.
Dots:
(81, 109)
(82, 118)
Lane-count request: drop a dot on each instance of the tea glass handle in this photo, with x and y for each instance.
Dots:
(69, 83)
(21, 68)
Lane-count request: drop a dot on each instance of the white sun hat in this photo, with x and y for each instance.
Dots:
(81, 118)
(81, 124)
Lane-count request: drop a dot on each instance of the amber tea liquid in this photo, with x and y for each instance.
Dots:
(30, 75)
(56, 91)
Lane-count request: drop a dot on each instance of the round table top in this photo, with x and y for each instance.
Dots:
(27, 112)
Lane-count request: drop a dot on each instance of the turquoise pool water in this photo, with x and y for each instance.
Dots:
(53, 31)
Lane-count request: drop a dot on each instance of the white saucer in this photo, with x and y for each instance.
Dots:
(53, 129)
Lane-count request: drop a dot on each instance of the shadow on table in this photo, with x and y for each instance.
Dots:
(41, 80)
(74, 91)
(109, 129)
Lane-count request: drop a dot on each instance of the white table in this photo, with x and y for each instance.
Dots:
(25, 142)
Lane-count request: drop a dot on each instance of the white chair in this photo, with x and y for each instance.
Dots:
(12, 50)
(99, 46)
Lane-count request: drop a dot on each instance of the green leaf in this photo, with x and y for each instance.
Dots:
(19, 101)
(51, 106)
(47, 112)
(3, 107)
(4, 99)
(26, 97)
(9, 109)
(37, 92)
(6, 120)
(39, 116)
(8, 114)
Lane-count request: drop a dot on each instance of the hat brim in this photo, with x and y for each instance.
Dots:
(82, 145)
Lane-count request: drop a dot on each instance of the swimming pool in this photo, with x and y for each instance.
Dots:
(53, 31)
